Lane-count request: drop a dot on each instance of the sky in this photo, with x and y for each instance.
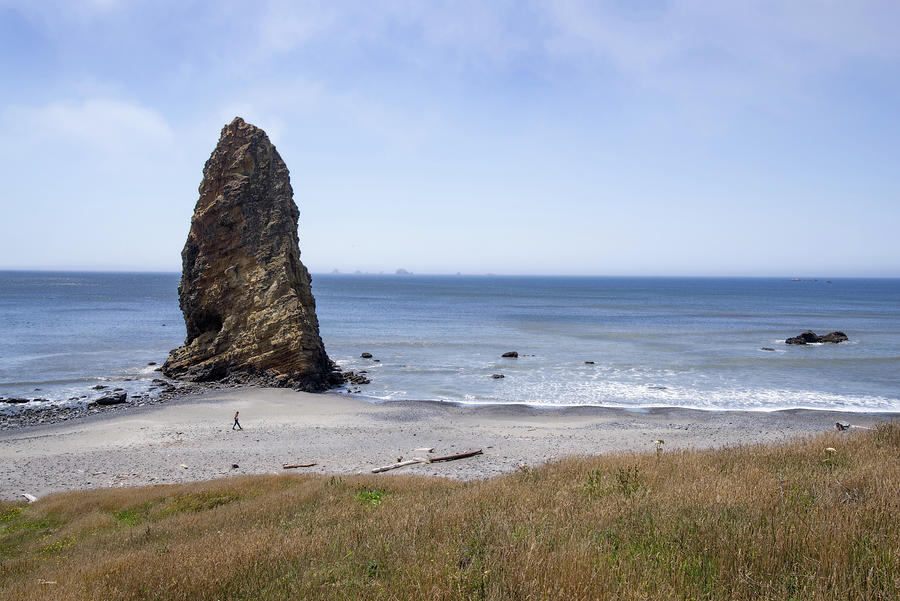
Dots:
(631, 137)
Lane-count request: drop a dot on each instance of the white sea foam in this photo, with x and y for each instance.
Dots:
(626, 395)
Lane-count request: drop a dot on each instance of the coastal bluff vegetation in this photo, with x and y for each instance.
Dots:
(248, 307)
(812, 519)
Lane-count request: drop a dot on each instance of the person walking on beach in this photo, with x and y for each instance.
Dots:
(237, 424)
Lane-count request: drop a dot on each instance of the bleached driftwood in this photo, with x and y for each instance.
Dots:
(393, 466)
(455, 457)
(31, 498)
(424, 450)
(291, 466)
(839, 426)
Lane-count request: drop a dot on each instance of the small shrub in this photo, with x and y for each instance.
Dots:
(594, 485)
(371, 496)
(629, 481)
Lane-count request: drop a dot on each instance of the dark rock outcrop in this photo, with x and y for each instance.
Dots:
(112, 399)
(834, 337)
(510, 354)
(245, 295)
(809, 337)
(355, 378)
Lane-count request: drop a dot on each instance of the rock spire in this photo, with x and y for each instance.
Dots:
(245, 295)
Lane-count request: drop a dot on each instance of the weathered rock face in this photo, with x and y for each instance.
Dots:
(244, 293)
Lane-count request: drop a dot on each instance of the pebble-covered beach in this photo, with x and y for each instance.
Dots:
(189, 437)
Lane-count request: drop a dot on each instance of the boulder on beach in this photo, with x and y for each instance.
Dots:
(809, 337)
(510, 354)
(112, 399)
(245, 295)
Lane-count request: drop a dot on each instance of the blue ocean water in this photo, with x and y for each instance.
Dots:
(61, 333)
(689, 342)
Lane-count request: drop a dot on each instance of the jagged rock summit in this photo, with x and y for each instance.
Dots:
(245, 295)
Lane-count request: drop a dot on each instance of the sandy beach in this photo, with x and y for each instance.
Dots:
(192, 439)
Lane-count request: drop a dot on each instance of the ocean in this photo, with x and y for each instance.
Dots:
(685, 342)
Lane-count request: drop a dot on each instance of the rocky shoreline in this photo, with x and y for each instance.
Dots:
(18, 413)
(22, 413)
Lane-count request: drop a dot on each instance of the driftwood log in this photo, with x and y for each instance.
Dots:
(291, 466)
(455, 457)
(393, 466)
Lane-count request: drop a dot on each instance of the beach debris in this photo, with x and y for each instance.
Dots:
(497, 376)
(399, 464)
(510, 354)
(184, 466)
(589, 362)
(830, 450)
(29, 498)
(293, 466)
(46, 582)
(234, 466)
(424, 450)
(847, 425)
(366, 355)
(767, 348)
(809, 337)
(456, 456)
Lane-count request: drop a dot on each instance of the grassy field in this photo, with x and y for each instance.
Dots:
(814, 519)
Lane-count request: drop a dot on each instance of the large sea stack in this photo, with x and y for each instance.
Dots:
(245, 295)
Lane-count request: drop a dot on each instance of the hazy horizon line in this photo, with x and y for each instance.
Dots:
(394, 273)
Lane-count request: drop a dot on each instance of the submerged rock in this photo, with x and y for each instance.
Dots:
(510, 354)
(245, 295)
(809, 337)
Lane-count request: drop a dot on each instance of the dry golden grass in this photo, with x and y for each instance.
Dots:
(763, 522)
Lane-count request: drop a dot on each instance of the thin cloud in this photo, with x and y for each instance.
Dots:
(98, 123)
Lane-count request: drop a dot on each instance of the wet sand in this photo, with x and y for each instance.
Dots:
(191, 438)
